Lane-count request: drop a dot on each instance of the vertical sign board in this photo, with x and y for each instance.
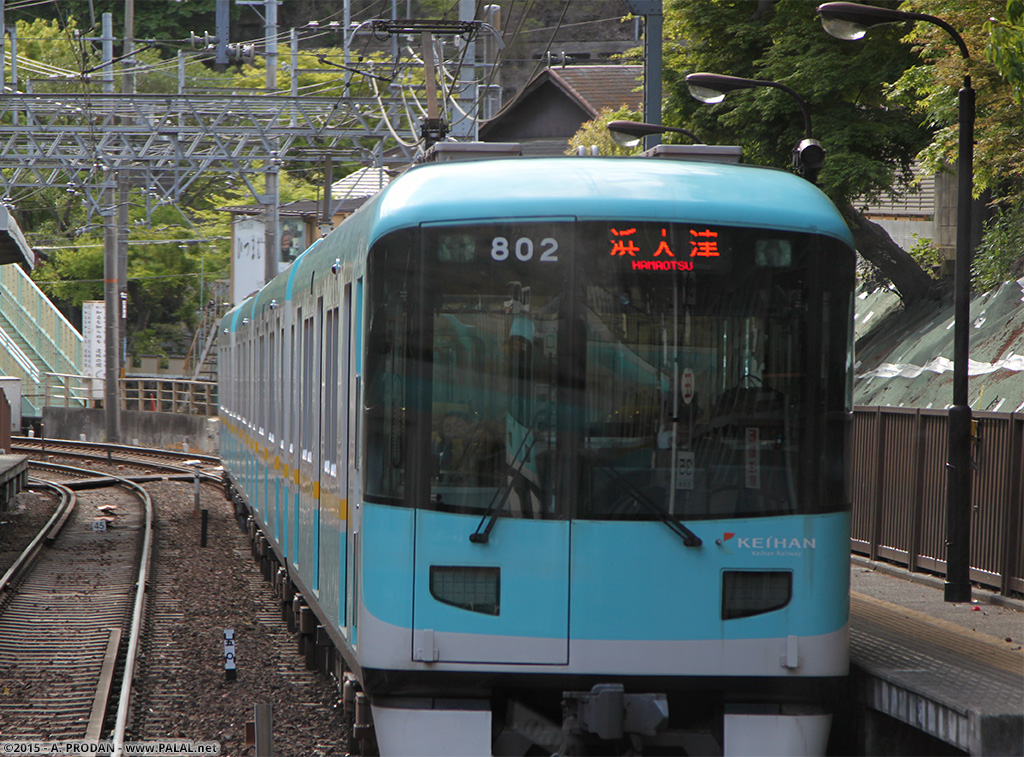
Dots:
(752, 457)
(247, 258)
(229, 654)
(94, 353)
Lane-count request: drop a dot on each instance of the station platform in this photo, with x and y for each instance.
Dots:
(952, 672)
(13, 477)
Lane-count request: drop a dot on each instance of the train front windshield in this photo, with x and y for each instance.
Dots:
(615, 370)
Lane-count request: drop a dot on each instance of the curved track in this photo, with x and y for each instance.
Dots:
(168, 463)
(69, 621)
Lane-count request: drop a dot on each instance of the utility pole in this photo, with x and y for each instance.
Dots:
(492, 94)
(111, 299)
(465, 113)
(272, 194)
(223, 31)
(112, 276)
(653, 22)
(129, 46)
(107, 46)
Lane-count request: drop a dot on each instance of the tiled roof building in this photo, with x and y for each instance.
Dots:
(556, 102)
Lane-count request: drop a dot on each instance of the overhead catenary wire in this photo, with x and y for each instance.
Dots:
(402, 102)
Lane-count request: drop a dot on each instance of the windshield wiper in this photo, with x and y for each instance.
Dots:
(690, 539)
(501, 495)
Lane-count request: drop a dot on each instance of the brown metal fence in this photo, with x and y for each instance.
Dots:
(899, 492)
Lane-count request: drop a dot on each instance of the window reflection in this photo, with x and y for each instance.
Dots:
(693, 393)
(539, 376)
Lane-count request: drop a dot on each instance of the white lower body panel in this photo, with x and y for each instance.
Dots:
(388, 647)
(405, 732)
(776, 735)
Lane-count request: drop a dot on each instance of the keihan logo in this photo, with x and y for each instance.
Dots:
(769, 542)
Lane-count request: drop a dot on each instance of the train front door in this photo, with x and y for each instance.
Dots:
(492, 545)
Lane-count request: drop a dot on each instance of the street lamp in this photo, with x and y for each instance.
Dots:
(852, 21)
(629, 133)
(808, 155)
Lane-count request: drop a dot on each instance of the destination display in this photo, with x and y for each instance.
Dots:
(634, 246)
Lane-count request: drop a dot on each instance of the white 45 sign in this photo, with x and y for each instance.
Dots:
(525, 249)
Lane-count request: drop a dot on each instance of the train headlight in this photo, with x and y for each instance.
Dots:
(753, 592)
(472, 588)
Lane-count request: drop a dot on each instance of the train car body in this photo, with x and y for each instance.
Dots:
(555, 449)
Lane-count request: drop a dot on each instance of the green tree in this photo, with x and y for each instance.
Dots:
(871, 134)
(171, 20)
(992, 31)
(173, 263)
(1005, 49)
(596, 132)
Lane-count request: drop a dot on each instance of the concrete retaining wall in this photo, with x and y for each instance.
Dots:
(148, 429)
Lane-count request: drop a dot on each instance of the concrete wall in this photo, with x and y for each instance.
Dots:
(148, 429)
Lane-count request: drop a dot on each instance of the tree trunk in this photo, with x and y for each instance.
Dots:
(877, 247)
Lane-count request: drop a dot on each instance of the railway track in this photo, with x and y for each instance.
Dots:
(138, 463)
(70, 615)
(32, 444)
(192, 593)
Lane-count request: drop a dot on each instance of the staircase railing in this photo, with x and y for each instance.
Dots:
(14, 362)
(42, 335)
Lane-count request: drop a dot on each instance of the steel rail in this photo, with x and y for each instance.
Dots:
(123, 702)
(32, 442)
(46, 534)
(141, 579)
(135, 456)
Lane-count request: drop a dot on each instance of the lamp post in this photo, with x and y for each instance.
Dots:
(851, 21)
(808, 155)
(629, 133)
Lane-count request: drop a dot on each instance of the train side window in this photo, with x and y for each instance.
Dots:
(247, 372)
(330, 450)
(261, 372)
(384, 391)
(293, 420)
(357, 346)
(308, 357)
(282, 384)
(271, 388)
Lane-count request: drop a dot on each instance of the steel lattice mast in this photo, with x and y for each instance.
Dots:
(166, 142)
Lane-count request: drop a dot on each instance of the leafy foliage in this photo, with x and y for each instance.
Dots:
(876, 105)
(926, 252)
(596, 133)
(171, 20)
(934, 83)
(997, 60)
(1000, 256)
(870, 134)
(1005, 49)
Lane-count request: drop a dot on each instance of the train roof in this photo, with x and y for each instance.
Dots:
(606, 188)
(610, 188)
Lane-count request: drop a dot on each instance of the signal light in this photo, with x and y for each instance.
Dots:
(808, 158)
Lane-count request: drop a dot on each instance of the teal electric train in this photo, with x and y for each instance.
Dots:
(555, 449)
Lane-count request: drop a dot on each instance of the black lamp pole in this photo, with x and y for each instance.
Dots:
(712, 88)
(808, 156)
(629, 133)
(851, 21)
